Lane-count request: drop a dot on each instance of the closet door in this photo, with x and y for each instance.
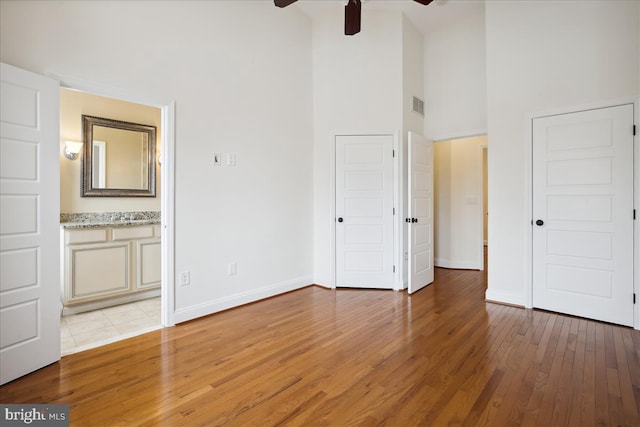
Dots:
(583, 214)
(364, 211)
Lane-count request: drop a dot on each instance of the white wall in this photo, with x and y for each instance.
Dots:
(455, 79)
(455, 107)
(441, 201)
(240, 74)
(357, 87)
(458, 203)
(541, 56)
(412, 76)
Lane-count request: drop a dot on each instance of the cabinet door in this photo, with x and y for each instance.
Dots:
(148, 258)
(97, 270)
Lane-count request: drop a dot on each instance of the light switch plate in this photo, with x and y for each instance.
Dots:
(217, 159)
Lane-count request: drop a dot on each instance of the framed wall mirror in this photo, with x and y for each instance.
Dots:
(119, 158)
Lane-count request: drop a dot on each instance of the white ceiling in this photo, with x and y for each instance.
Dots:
(436, 15)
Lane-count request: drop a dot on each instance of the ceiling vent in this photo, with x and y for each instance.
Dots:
(418, 106)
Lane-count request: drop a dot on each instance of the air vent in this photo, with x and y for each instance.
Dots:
(418, 106)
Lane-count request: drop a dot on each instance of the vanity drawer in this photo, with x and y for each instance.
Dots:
(127, 233)
(86, 236)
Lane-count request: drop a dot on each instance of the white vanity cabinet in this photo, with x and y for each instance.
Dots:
(109, 265)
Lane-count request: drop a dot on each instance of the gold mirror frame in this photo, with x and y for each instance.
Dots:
(88, 189)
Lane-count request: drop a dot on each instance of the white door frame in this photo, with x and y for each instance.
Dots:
(528, 168)
(397, 203)
(167, 181)
(483, 237)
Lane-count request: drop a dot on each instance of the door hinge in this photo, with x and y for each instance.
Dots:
(393, 152)
(394, 211)
(634, 129)
(394, 268)
(634, 298)
(634, 214)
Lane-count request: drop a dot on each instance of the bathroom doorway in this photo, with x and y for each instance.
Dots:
(127, 228)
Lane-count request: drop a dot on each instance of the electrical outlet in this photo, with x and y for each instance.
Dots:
(232, 269)
(185, 278)
(231, 159)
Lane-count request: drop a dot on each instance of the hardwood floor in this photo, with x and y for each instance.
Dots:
(442, 356)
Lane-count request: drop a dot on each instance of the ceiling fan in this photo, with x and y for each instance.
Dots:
(352, 13)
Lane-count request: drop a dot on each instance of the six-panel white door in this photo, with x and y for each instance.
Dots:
(583, 214)
(29, 223)
(364, 211)
(420, 217)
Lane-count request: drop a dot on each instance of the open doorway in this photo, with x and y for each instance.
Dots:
(460, 186)
(111, 264)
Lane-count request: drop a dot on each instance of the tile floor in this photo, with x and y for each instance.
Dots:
(83, 331)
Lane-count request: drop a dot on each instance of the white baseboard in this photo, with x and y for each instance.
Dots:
(224, 303)
(505, 298)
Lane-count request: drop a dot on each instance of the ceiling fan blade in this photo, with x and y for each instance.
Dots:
(283, 3)
(424, 2)
(352, 15)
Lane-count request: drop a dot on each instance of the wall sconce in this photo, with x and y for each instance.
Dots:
(72, 149)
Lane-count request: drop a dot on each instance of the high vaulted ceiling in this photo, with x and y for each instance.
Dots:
(438, 14)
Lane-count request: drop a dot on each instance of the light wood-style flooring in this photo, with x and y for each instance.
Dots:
(440, 357)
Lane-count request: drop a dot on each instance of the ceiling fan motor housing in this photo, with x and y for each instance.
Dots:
(352, 13)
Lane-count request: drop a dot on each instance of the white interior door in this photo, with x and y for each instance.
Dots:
(364, 211)
(29, 222)
(420, 218)
(583, 214)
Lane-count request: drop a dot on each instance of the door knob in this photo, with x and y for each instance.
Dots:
(414, 219)
(539, 222)
(340, 219)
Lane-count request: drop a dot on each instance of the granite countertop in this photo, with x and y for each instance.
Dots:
(108, 219)
(124, 223)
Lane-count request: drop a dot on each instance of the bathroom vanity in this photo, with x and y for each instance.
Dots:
(109, 260)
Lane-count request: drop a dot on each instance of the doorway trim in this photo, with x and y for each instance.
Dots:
(398, 241)
(474, 211)
(528, 205)
(483, 237)
(167, 180)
